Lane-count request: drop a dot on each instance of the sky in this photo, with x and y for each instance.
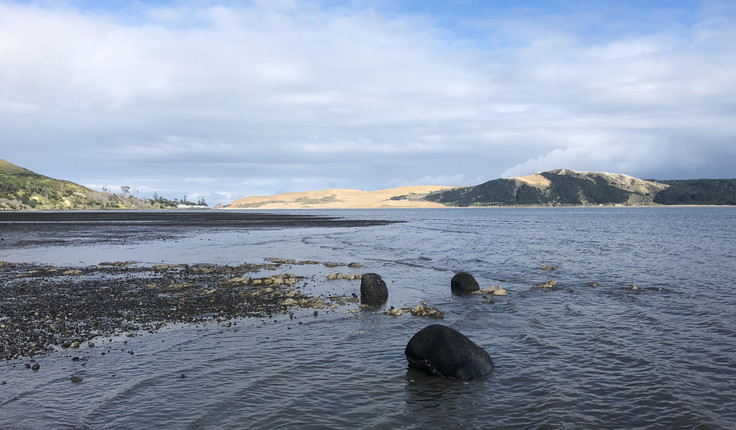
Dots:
(225, 99)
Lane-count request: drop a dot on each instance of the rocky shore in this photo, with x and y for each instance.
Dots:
(43, 308)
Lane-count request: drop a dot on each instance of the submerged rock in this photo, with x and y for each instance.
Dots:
(394, 312)
(422, 310)
(495, 290)
(373, 290)
(548, 284)
(444, 351)
(464, 283)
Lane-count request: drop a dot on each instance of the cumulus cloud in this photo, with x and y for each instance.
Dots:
(263, 97)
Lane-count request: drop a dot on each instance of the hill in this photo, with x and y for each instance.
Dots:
(403, 197)
(569, 187)
(23, 189)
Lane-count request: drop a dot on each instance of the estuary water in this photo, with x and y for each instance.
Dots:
(590, 353)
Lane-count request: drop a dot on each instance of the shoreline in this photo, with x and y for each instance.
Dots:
(298, 208)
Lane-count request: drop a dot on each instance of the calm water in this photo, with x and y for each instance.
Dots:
(663, 356)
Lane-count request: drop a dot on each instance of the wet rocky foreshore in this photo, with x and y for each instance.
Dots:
(46, 307)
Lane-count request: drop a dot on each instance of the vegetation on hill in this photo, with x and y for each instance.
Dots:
(567, 187)
(698, 192)
(23, 189)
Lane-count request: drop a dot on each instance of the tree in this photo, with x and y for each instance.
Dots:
(125, 189)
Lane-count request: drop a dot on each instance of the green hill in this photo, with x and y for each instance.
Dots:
(567, 187)
(698, 192)
(23, 189)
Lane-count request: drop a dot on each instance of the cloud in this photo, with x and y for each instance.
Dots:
(263, 97)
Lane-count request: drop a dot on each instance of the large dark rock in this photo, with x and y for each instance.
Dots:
(444, 351)
(373, 290)
(464, 283)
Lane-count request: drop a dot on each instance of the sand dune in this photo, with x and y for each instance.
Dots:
(402, 197)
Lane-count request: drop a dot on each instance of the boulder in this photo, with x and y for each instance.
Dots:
(464, 283)
(446, 352)
(373, 290)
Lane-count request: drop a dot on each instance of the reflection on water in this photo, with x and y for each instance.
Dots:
(661, 356)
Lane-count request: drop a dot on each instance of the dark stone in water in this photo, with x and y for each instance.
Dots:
(444, 351)
(373, 290)
(464, 283)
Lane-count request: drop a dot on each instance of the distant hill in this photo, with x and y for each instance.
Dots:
(403, 197)
(568, 187)
(23, 189)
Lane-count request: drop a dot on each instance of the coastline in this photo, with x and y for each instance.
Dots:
(330, 208)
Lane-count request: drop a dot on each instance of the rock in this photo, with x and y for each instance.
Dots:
(548, 284)
(547, 267)
(74, 344)
(75, 379)
(394, 312)
(495, 290)
(464, 283)
(444, 351)
(354, 265)
(373, 290)
(593, 284)
(422, 310)
(35, 367)
(333, 264)
(634, 287)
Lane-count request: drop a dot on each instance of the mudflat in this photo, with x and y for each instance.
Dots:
(20, 228)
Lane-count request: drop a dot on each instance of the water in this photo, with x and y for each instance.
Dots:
(662, 356)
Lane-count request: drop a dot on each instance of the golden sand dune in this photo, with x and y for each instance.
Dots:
(535, 180)
(402, 197)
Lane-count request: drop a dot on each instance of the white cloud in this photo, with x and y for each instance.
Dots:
(280, 96)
